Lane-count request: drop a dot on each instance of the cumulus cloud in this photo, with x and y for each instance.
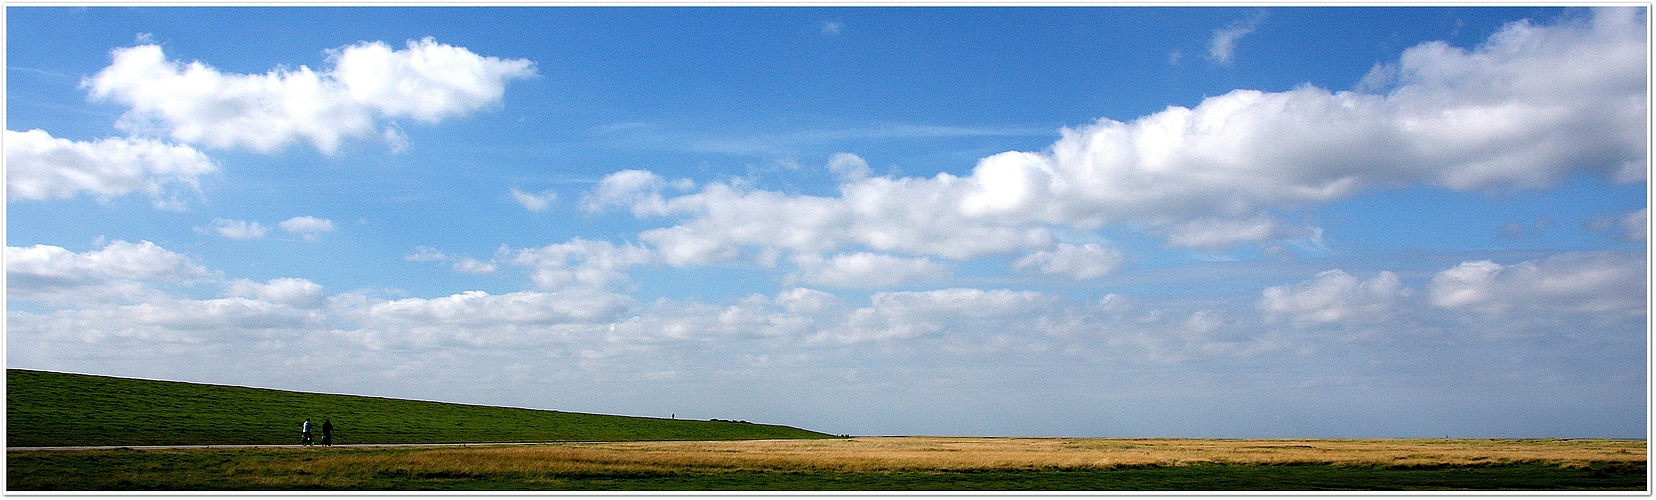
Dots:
(1078, 261)
(473, 266)
(638, 190)
(914, 216)
(41, 167)
(848, 167)
(577, 262)
(1334, 296)
(51, 272)
(310, 228)
(901, 315)
(234, 229)
(368, 83)
(790, 315)
(1580, 282)
(866, 270)
(1533, 103)
(297, 292)
(230, 321)
(478, 319)
(482, 308)
(535, 202)
(1484, 118)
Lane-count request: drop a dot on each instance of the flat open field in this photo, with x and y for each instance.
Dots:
(893, 463)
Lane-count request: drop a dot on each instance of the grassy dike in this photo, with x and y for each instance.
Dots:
(59, 409)
(599, 452)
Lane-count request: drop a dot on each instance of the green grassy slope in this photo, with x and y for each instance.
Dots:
(59, 409)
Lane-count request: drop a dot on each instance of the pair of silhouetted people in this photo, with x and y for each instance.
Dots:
(327, 433)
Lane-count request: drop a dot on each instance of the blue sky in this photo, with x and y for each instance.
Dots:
(1102, 221)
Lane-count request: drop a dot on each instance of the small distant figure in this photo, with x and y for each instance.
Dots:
(304, 429)
(327, 432)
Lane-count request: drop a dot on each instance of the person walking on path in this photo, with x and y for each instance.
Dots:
(327, 432)
(304, 429)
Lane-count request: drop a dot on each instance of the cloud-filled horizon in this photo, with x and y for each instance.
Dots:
(1344, 222)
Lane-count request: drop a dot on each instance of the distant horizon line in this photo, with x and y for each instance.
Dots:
(1485, 438)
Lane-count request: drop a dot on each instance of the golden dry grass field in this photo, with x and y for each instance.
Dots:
(865, 463)
(980, 453)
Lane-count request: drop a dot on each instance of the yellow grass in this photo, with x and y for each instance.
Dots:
(974, 453)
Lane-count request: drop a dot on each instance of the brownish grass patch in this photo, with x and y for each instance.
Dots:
(975, 453)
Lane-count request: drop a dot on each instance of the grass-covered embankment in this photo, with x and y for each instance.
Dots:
(59, 409)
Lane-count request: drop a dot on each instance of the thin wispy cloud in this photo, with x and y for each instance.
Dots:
(1222, 48)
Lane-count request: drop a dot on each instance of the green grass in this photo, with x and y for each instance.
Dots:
(59, 409)
(309, 469)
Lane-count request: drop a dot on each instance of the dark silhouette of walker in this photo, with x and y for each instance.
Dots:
(327, 432)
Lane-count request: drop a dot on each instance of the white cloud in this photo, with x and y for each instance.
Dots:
(1223, 45)
(296, 292)
(1603, 283)
(473, 266)
(1078, 261)
(1449, 121)
(807, 301)
(866, 270)
(848, 167)
(118, 259)
(477, 308)
(535, 202)
(791, 315)
(913, 216)
(638, 190)
(45, 271)
(577, 262)
(41, 167)
(1531, 105)
(1214, 234)
(904, 315)
(1465, 285)
(231, 321)
(368, 82)
(234, 229)
(1335, 296)
(466, 265)
(956, 340)
(310, 228)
